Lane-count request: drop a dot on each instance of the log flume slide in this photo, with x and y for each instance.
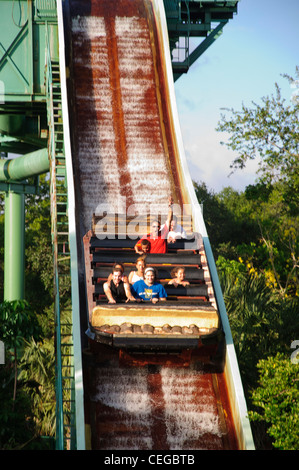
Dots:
(174, 389)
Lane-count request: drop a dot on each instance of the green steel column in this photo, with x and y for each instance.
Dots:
(14, 242)
(16, 169)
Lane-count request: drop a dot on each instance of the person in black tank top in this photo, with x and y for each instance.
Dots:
(117, 290)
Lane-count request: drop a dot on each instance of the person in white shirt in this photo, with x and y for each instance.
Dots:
(175, 231)
(135, 276)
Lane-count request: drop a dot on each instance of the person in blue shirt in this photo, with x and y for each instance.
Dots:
(148, 289)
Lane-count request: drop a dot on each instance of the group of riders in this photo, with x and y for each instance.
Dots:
(142, 284)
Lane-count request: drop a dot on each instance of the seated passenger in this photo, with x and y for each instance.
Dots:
(120, 266)
(143, 246)
(118, 290)
(176, 231)
(135, 276)
(157, 237)
(178, 277)
(148, 289)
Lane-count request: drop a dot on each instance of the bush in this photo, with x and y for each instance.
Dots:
(277, 400)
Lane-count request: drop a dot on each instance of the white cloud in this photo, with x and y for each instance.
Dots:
(209, 161)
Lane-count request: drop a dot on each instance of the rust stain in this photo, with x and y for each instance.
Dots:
(117, 107)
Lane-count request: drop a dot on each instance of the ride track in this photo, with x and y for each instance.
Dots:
(127, 153)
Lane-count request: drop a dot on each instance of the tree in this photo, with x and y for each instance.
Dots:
(38, 249)
(262, 322)
(263, 325)
(270, 132)
(277, 400)
(252, 311)
(28, 377)
(37, 376)
(228, 219)
(17, 324)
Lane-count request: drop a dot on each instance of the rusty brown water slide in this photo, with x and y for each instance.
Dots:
(124, 155)
(124, 152)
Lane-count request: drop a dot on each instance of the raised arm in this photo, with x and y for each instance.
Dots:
(170, 211)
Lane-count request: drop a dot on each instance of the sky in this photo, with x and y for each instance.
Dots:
(257, 46)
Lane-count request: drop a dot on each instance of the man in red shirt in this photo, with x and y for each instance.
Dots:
(157, 237)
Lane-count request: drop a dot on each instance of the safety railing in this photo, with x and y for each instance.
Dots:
(65, 402)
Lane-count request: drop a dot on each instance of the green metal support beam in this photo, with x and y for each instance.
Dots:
(11, 170)
(182, 67)
(25, 28)
(14, 253)
(31, 164)
(206, 43)
(194, 18)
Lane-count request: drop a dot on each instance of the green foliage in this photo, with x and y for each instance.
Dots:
(28, 379)
(259, 279)
(17, 323)
(262, 322)
(268, 132)
(279, 235)
(31, 413)
(37, 377)
(277, 400)
(228, 217)
(28, 390)
(252, 315)
(230, 270)
(263, 325)
(38, 250)
(17, 426)
(258, 226)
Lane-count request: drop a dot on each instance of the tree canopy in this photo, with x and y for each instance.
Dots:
(268, 132)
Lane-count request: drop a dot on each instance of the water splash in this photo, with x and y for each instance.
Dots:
(125, 391)
(187, 419)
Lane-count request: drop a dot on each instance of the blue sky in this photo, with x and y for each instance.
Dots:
(257, 46)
